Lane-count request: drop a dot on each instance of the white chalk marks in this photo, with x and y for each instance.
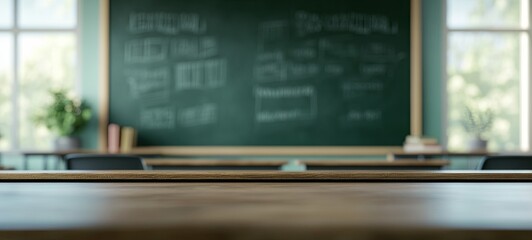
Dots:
(160, 117)
(203, 74)
(194, 47)
(147, 50)
(166, 23)
(310, 23)
(149, 85)
(280, 104)
(168, 117)
(364, 116)
(199, 115)
(172, 53)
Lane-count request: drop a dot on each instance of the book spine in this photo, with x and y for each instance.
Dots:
(113, 138)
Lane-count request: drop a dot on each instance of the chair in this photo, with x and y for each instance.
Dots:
(103, 162)
(507, 163)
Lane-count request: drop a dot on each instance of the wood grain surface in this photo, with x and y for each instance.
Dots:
(355, 176)
(316, 162)
(265, 210)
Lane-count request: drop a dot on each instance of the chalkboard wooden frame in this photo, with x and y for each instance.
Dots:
(415, 102)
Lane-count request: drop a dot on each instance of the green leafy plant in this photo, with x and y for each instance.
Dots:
(477, 122)
(64, 116)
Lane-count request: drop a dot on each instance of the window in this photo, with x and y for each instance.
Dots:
(488, 70)
(39, 53)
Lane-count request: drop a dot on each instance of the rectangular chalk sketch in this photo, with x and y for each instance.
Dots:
(157, 118)
(166, 23)
(199, 115)
(147, 50)
(149, 85)
(307, 23)
(270, 67)
(194, 47)
(281, 104)
(202, 74)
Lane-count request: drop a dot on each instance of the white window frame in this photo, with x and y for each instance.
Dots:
(526, 88)
(15, 31)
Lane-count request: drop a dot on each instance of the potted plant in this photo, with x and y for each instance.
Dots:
(64, 116)
(478, 123)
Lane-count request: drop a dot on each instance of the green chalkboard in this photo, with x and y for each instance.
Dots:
(261, 72)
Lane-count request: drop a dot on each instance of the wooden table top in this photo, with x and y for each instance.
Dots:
(449, 153)
(266, 176)
(265, 210)
(315, 162)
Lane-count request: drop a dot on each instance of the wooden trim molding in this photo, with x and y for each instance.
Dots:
(315, 176)
(416, 118)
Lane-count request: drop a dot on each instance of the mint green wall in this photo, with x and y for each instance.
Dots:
(432, 62)
(432, 35)
(90, 33)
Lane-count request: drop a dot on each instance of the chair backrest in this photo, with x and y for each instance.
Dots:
(507, 163)
(103, 162)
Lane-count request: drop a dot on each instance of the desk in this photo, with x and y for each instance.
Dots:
(429, 155)
(327, 164)
(6, 168)
(46, 154)
(265, 205)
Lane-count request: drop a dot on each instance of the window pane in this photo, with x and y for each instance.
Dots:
(47, 61)
(484, 73)
(6, 76)
(47, 13)
(6, 13)
(487, 13)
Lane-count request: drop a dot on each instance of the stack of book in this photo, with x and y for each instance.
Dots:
(421, 144)
(120, 139)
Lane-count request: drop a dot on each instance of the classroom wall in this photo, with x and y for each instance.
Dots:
(432, 72)
(432, 34)
(90, 33)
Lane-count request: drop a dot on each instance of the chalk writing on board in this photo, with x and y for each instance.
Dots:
(333, 69)
(157, 117)
(303, 70)
(146, 50)
(149, 85)
(355, 89)
(276, 104)
(200, 115)
(272, 34)
(284, 92)
(338, 47)
(381, 52)
(310, 23)
(270, 66)
(364, 115)
(202, 74)
(304, 53)
(142, 81)
(194, 47)
(372, 69)
(281, 115)
(166, 23)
